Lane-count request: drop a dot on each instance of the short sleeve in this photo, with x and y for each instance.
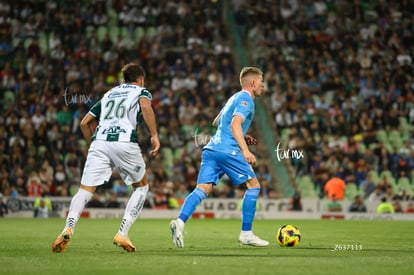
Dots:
(243, 107)
(95, 110)
(145, 93)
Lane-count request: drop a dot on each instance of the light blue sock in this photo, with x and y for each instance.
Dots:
(249, 208)
(191, 203)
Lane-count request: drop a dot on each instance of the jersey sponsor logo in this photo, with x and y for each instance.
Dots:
(118, 94)
(114, 130)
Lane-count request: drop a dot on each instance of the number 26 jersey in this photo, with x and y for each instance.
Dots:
(118, 113)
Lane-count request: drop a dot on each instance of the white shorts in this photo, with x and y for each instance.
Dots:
(104, 156)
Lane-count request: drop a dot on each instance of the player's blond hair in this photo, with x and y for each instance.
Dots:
(248, 71)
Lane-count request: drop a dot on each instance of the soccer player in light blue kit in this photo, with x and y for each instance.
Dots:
(228, 153)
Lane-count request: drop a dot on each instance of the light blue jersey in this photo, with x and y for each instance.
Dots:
(240, 104)
(222, 155)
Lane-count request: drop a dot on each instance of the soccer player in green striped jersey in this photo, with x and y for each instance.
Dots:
(114, 145)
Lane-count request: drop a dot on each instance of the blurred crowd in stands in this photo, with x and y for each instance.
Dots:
(338, 78)
(57, 58)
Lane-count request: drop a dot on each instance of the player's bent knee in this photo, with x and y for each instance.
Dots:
(253, 183)
(91, 189)
(141, 183)
(206, 187)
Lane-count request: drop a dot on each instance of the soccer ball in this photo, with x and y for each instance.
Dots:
(288, 235)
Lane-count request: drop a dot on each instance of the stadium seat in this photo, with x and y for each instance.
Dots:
(393, 183)
(404, 125)
(100, 32)
(329, 96)
(8, 96)
(310, 194)
(305, 179)
(113, 32)
(390, 178)
(389, 147)
(404, 183)
(362, 147)
(124, 31)
(382, 136)
(351, 190)
(113, 17)
(43, 41)
(387, 174)
(284, 136)
(396, 142)
(152, 31)
(394, 136)
(373, 145)
(405, 129)
(168, 157)
(73, 189)
(89, 30)
(405, 135)
(316, 98)
(374, 175)
(138, 33)
(307, 187)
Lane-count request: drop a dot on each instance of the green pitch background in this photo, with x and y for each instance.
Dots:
(210, 248)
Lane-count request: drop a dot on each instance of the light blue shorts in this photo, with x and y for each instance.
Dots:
(215, 164)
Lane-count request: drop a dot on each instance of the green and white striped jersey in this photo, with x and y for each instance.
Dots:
(118, 113)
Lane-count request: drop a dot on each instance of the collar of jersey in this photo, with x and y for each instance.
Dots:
(247, 92)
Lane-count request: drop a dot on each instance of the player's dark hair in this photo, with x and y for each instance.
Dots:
(132, 71)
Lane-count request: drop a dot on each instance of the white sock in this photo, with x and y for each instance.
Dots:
(133, 209)
(77, 205)
(245, 233)
(180, 222)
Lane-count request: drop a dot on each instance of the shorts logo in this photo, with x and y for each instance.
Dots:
(244, 103)
(240, 176)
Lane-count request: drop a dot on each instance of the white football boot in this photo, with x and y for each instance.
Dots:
(177, 232)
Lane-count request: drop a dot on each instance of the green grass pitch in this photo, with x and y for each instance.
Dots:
(210, 248)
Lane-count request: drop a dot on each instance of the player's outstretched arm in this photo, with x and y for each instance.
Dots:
(149, 118)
